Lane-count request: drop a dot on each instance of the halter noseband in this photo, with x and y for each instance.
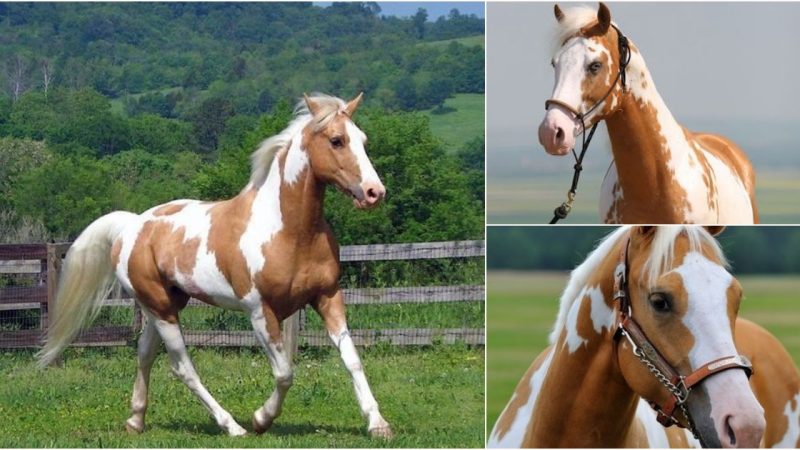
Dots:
(679, 386)
(562, 211)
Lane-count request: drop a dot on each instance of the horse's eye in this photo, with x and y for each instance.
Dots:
(553, 63)
(660, 302)
(595, 67)
(337, 142)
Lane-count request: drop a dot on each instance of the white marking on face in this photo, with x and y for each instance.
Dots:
(357, 139)
(792, 436)
(519, 426)
(570, 70)
(706, 285)
(296, 161)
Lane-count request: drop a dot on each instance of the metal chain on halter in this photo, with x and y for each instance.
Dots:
(564, 209)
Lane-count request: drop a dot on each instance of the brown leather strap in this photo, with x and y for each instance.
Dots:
(717, 366)
(553, 101)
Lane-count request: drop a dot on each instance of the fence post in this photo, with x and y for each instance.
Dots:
(53, 269)
(291, 332)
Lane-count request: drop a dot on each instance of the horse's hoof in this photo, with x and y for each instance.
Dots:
(382, 432)
(235, 432)
(260, 428)
(132, 428)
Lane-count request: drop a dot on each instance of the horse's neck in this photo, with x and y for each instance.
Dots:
(651, 149)
(290, 200)
(584, 400)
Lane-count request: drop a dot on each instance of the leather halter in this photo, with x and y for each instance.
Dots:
(678, 385)
(563, 210)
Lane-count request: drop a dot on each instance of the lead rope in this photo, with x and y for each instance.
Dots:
(562, 211)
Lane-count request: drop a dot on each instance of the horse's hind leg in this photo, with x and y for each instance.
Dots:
(268, 334)
(148, 348)
(331, 309)
(183, 368)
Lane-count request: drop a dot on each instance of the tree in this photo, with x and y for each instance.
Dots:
(209, 122)
(48, 72)
(419, 19)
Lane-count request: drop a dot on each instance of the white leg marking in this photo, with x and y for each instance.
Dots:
(281, 369)
(376, 424)
(148, 349)
(182, 368)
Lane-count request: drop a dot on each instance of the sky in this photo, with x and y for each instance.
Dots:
(725, 63)
(435, 9)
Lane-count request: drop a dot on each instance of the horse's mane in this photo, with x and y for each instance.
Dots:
(574, 19)
(661, 257)
(262, 158)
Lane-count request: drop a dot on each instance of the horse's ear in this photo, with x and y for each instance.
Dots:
(313, 106)
(715, 230)
(559, 13)
(603, 17)
(352, 105)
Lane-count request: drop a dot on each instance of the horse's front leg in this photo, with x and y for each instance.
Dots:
(331, 309)
(268, 333)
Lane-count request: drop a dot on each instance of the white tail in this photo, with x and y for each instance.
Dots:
(86, 280)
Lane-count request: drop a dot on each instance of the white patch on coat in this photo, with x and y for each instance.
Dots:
(656, 433)
(573, 339)
(792, 436)
(296, 161)
(519, 426)
(265, 221)
(602, 315)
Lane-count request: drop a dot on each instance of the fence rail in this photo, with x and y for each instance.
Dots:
(41, 263)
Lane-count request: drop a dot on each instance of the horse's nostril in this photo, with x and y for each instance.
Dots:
(731, 434)
(559, 133)
(371, 193)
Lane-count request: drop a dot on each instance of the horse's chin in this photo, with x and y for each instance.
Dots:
(558, 151)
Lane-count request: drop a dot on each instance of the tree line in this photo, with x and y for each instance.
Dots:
(165, 58)
(148, 103)
(761, 250)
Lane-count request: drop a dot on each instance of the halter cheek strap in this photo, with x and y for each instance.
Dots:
(679, 386)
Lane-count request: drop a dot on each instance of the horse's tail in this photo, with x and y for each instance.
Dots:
(86, 280)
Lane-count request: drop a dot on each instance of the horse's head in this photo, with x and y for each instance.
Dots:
(336, 150)
(686, 303)
(588, 77)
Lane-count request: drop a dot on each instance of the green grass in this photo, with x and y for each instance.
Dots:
(522, 307)
(515, 199)
(433, 397)
(461, 122)
(469, 41)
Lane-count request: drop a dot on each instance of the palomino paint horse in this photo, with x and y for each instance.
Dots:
(662, 172)
(267, 252)
(666, 293)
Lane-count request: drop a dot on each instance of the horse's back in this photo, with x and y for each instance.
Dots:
(775, 381)
(733, 157)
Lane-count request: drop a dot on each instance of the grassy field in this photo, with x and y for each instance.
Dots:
(532, 199)
(522, 307)
(432, 397)
(461, 122)
(469, 41)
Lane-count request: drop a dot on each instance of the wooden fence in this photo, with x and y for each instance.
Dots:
(40, 264)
